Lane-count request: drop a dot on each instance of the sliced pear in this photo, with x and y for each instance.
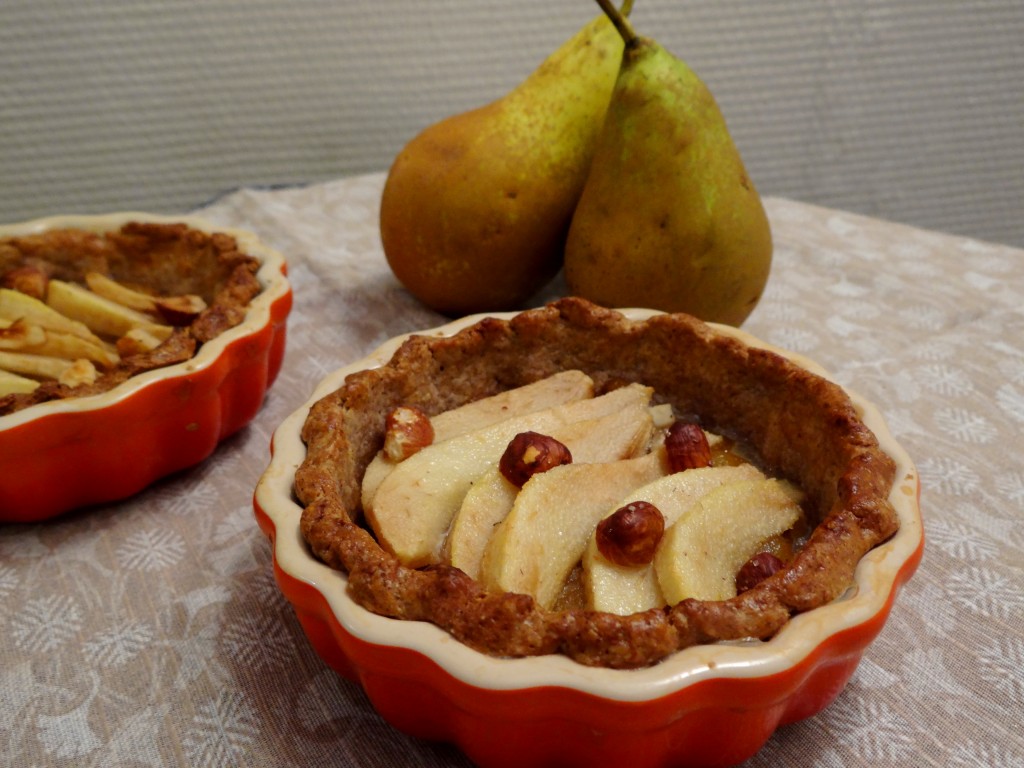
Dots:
(560, 388)
(485, 505)
(36, 366)
(555, 390)
(12, 384)
(630, 589)
(535, 548)
(176, 310)
(700, 555)
(20, 334)
(68, 347)
(414, 505)
(15, 305)
(99, 314)
(117, 292)
(619, 435)
(136, 342)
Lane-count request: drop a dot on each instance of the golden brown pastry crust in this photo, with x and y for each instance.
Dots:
(171, 259)
(802, 427)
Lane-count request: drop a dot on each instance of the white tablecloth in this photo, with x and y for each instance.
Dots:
(151, 632)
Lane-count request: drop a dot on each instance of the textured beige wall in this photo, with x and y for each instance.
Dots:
(907, 110)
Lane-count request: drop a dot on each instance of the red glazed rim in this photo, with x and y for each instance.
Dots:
(709, 705)
(65, 454)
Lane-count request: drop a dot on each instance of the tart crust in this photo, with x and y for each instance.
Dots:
(801, 426)
(167, 258)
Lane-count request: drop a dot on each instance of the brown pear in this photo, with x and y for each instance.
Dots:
(476, 208)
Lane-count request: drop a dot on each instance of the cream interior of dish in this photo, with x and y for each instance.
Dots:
(442, 497)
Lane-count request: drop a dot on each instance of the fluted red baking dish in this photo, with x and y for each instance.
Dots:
(65, 454)
(705, 706)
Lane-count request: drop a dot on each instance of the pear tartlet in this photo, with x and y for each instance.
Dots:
(131, 345)
(798, 425)
(141, 296)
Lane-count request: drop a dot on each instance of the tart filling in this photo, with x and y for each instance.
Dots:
(800, 427)
(81, 311)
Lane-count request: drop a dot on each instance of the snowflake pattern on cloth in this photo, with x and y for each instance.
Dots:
(151, 632)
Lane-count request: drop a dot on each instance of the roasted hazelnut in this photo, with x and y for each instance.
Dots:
(631, 534)
(29, 280)
(407, 430)
(529, 453)
(180, 311)
(755, 570)
(687, 447)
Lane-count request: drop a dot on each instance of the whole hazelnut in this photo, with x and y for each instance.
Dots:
(29, 280)
(755, 570)
(407, 430)
(687, 447)
(180, 311)
(631, 534)
(529, 453)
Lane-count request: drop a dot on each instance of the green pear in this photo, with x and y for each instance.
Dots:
(668, 217)
(476, 208)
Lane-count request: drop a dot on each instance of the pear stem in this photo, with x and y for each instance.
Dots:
(619, 20)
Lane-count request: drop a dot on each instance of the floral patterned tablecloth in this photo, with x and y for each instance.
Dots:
(151, 632)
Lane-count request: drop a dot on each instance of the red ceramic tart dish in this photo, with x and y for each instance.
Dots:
(712, 704)
(68, 453)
